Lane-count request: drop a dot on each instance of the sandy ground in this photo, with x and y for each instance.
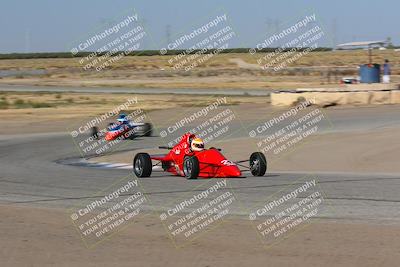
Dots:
(46, 237)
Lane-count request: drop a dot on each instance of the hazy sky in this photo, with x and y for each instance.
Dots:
(54, 25)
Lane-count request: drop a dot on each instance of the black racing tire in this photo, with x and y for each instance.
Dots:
(191, 167)
(147, 129)
(94, 132)
(130, 134)
(258, 164)
(142, 165)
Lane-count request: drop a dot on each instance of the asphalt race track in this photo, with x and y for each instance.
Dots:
(31, 174)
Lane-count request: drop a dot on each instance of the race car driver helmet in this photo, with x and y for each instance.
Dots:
(122, 118)
(197, 144)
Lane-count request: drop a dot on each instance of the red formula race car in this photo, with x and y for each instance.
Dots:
(190, 159)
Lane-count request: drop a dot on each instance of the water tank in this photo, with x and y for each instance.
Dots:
(370, 73)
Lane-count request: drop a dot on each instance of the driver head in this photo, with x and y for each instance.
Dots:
(122, 118)
(197, 144)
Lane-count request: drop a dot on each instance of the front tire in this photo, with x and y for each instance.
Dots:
(142, 165)
(130, 134)
(191, 167)
(258, 164)
(95, 132)
(110, 125)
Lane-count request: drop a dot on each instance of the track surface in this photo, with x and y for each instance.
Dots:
(31, 175)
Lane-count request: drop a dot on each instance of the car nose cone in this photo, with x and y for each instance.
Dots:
(231, 171)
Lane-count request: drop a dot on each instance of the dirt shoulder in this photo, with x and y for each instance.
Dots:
(46, 237)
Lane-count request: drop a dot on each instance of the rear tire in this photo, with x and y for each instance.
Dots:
(148, 129)
(142, 165)
(191, 167)
(258, 164)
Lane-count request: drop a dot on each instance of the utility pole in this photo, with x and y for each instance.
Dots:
(27, 40)
(168, 33)
(334, 32)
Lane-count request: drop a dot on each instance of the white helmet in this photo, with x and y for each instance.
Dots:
(197, 144)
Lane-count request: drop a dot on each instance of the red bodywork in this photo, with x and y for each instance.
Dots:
(114, 134)
(211, 162)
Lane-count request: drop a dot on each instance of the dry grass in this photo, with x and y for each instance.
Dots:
(76, 105)
(64, 114)
(218, 72)
(330, 58)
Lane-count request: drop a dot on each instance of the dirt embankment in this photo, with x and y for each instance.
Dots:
(46, 237)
